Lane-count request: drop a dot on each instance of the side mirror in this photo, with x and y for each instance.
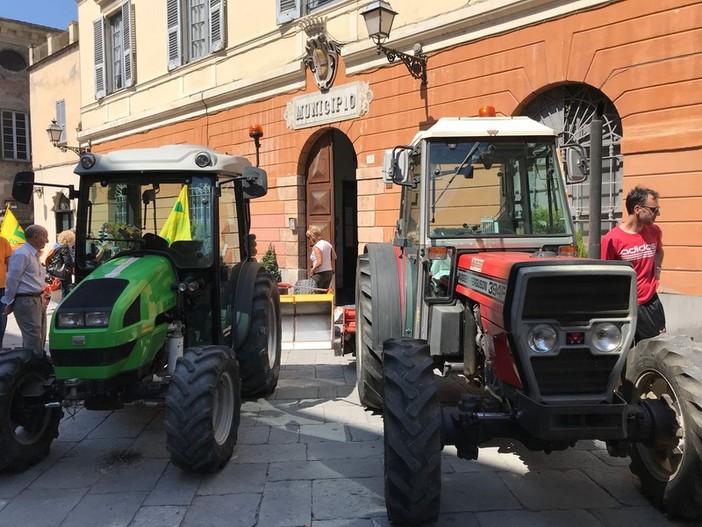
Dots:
(396, 165)
(255, 182)
(576, 164)
(23, 186)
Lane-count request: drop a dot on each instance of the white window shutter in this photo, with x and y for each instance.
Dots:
(61, 119)
(287, 10)
(175, 48)
(217, 25)
(99, 57)
(127, 43)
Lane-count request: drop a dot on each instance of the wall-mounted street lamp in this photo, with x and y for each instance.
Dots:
(54, 132)
(379, 16)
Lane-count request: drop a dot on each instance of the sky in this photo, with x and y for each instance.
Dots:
(51, 13)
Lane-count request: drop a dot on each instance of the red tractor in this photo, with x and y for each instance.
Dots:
(481, 283)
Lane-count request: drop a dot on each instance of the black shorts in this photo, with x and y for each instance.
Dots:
(651, 319)
(323, 279)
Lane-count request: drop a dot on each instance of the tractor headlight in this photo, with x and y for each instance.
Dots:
(67, 320)
(542, 338)
(606, 336)
(97, 319)
(91, 319)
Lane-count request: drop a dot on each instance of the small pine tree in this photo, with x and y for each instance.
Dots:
(582, 250)
(270, 262)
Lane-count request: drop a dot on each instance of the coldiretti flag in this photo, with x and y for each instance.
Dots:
(177, 226)
(11, 229)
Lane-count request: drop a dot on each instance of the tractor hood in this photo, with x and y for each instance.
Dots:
(567, 288)
(113, 318)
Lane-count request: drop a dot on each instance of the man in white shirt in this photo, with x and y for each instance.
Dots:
(25, 288)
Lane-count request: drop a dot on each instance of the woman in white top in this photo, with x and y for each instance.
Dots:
(322, 258)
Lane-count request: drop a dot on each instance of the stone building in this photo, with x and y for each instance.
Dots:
(16, 39)
(54, 75)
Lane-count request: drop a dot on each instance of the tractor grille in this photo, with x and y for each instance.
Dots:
(573, 372)
(576, 299)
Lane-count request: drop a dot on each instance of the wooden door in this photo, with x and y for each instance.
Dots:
(320, 187)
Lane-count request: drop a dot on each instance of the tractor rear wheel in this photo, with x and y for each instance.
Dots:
(203, 409)
(259, 354)
(412, 433)
(377, 319)
(27, 427)
(669, 369)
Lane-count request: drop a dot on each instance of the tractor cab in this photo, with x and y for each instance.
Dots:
(479, 184)
(191, 213)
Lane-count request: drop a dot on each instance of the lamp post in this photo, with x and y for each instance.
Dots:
(54, 131)
(379, 16)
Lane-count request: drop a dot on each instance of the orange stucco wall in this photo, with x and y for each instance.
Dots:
(644, 56)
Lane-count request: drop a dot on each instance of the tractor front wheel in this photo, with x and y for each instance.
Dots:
(27, 426)
(668, 370)
(203, 408)
(412, 433)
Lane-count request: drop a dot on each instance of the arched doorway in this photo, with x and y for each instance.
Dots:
(331, 195)
(569, 109)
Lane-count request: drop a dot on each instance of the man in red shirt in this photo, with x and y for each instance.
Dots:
(638, 241)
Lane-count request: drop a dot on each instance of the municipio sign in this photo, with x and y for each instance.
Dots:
(338, 104)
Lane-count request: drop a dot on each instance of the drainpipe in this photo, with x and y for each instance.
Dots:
(595, 226)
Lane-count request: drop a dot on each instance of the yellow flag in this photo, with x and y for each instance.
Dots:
(11, 229)
(177, 226)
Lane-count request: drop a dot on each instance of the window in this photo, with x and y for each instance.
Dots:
(61, 119)
(15, 135)
(12, 61)
(287, 10)
(195, 29)
(113, 51)
(117, 71)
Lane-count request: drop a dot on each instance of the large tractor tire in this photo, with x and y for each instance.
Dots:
(259, 354)
(669, 369)
(378, 318)
(203, 409)
(27, 427)
(412, 433)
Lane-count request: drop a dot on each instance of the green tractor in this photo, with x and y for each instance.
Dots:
(169, 308)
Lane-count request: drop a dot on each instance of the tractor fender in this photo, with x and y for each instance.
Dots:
(241, 284)
(388, 305)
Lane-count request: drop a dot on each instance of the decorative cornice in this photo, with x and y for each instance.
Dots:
(470, 23)
(210, 101)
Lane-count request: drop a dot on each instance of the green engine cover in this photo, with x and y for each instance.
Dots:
(136, 291)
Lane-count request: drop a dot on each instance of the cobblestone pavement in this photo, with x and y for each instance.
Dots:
(308, 455)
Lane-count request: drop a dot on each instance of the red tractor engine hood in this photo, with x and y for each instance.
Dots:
(483, 277)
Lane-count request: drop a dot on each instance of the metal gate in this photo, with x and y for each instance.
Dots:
(569, 110)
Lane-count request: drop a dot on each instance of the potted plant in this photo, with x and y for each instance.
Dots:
(270, 262)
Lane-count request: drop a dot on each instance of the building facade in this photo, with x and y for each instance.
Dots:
(203, 72)
(54, 75)
(16, 40)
